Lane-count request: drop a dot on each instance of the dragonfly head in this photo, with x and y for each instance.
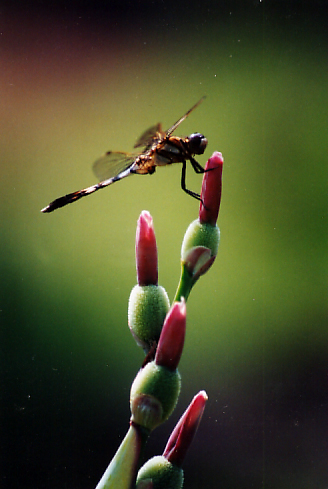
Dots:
(197, 143)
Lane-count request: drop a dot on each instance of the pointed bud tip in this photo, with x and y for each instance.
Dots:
(215, 160)
(145, 220)
(203, 395)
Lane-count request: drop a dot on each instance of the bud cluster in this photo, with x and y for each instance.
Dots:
(160, 331)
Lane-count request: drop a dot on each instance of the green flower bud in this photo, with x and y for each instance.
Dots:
(148, 306)
(154, 394)
(199, 249)
(200, 234)
(160, 473)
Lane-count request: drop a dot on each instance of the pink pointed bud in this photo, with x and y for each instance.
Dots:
(146, 251)
(183, 434)
(172, 337)
(211, 190)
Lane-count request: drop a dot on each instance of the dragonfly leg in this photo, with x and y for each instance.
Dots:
(183, 180)
(183, 183)
(196, 166)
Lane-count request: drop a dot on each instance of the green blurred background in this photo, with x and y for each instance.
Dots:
(81, 78)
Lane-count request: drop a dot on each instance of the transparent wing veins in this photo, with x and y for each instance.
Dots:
(147, 137)
(112, 163)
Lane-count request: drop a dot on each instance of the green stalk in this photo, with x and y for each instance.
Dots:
(185, 284)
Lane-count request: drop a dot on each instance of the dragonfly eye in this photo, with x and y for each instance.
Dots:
(197, 143)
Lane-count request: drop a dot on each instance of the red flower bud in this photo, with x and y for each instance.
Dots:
(146, 251)
(183, 434)
(171, 341)
(211, 190)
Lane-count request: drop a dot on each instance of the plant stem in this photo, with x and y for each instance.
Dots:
(185, 285)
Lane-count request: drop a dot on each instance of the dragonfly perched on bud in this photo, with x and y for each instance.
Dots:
(160, 148)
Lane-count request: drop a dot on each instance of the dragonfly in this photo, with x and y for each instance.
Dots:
(160, 148)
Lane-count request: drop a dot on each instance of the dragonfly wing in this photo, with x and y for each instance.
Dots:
(173, 128)
(147, 137)
(112, 163)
